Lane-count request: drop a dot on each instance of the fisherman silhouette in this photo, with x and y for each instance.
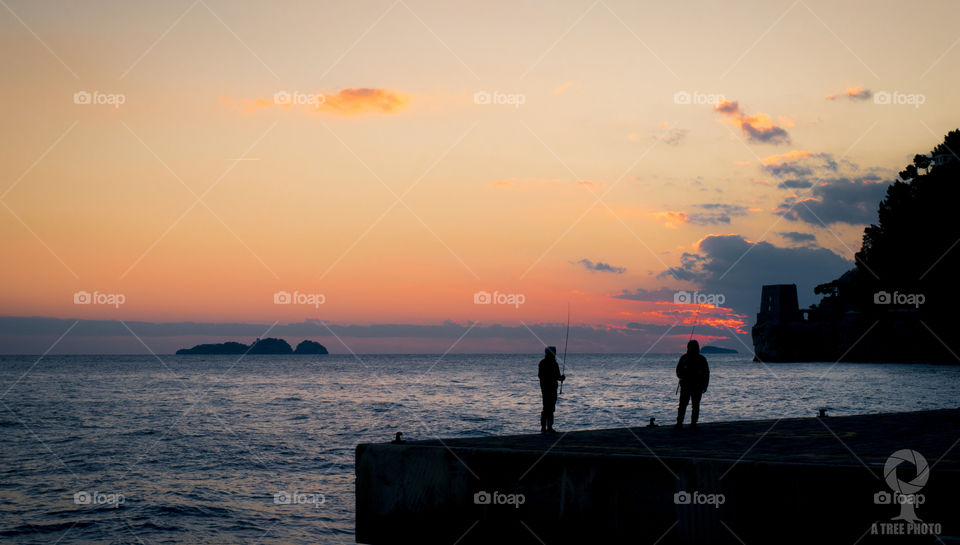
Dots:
(549, 373)
(694, 375)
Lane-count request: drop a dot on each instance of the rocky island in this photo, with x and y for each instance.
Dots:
(268, 346)
(310, 347)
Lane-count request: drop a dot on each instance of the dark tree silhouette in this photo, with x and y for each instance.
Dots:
(914, 248)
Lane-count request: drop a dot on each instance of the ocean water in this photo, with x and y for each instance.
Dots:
(188, 449)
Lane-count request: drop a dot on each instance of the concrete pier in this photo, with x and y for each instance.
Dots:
(772, 481)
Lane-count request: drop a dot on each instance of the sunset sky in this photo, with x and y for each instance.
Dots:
(392, 159)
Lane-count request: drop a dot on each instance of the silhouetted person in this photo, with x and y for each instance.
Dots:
(694, 375)
(549, 373)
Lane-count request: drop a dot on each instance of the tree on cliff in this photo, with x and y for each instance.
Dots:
(913, 249)
(912, 246)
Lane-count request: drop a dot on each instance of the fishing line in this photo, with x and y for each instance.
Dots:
(565, 343)
(695, 323)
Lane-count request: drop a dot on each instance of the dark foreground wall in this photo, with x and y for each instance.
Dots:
(788, 481)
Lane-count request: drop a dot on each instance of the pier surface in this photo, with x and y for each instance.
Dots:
(781, 481)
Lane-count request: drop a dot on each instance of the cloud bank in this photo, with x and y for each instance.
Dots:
(34, 335)
(736, 267)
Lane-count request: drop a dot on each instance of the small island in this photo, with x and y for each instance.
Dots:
(310, 347)
(269, 346)
(717, 350)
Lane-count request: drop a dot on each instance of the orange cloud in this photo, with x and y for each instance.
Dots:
(758, 127)
(853, 93)
(353, 101)
(684, 315)
(758, 121)
(671, 220)
(778, 159)
(562, 88)
(349, 101)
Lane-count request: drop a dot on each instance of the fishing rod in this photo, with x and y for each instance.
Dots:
(696, 322)
(566, 342)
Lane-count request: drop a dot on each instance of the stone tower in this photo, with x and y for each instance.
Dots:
(778, 304)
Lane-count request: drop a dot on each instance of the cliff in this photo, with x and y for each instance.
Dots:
(899, 303)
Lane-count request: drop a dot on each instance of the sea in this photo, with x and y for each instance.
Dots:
(260, 449)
